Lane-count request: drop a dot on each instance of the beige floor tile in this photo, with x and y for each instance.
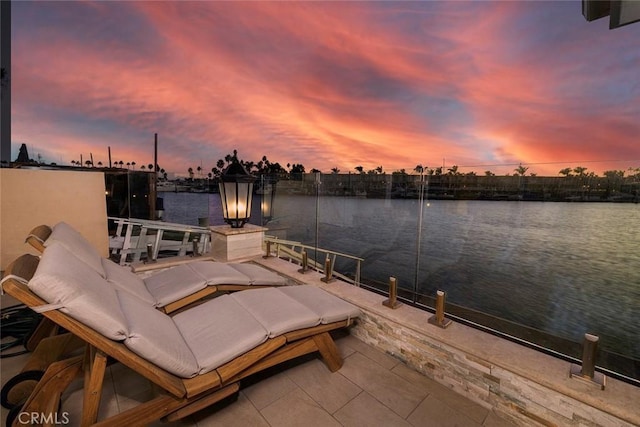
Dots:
(297, 409)
(432, 412)
(365, 411)
(331, 390)
(383, 359)
(454, 400)
(388, 388)
(268, 390)
(241, 413)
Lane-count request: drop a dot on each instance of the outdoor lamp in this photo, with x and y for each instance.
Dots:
(268, 196)
(236, 192)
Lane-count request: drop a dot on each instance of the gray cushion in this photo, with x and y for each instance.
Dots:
(277, 312)
(77, 245)
(86, 296)
(174, 283)
(217, 273)
(259, 275)
(329, 307)
(218, 331)
(124, 279)
(154, 336)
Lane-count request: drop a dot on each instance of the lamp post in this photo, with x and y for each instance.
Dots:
(236, 193)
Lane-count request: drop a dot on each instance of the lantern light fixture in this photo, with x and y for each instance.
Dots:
(268, 192)
(236, 193)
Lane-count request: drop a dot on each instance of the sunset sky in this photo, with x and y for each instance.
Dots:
(483, 85)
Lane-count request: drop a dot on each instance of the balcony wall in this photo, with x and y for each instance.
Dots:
(520, 383)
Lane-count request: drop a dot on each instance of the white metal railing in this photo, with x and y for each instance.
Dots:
(125, 243)
(292, 250)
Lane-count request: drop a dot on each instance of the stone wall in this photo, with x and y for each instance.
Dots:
(518, 399)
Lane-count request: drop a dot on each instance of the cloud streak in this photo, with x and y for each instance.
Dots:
(326, 84)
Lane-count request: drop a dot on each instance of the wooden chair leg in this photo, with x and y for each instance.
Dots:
(329, 351)
(95, 366)
(45, 398)
(45, 328)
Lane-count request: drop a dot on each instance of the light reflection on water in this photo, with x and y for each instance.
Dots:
(564, 268)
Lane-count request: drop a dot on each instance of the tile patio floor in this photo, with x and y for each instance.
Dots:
(371, 389)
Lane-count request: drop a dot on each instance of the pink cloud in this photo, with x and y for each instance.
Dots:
(392, 84)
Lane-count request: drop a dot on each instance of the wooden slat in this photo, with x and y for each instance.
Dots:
(249, 358)
(202, 403)
(302, 333)
(145, 413)
(288, 352)
(177, 305)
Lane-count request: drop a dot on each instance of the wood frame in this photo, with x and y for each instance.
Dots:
(180, 396)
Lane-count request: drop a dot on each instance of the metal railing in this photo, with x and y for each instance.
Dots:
(293, 251)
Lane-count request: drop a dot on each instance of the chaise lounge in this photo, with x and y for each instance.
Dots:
(196, 357)
(196, 280)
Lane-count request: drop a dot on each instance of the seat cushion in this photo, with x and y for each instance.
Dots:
(217, 273)
(328, 307)
(77, 245)
(229, 332)
(86, 296)
(125, 280)
(174, 283)
(259, 275)
(276, 312)
(154, 336)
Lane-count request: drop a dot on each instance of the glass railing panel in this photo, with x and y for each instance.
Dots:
(545, 273)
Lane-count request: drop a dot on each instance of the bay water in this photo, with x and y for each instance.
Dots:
(562, 268)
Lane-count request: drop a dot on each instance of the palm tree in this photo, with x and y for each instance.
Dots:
(133, 165)
(521, 170)
(580, 170)
(335, 170)
(566, 172)
(419, 169)
(360, 169)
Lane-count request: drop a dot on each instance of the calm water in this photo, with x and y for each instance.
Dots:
(564, 268)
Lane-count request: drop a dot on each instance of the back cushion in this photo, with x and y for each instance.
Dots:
(86, 296)
(154, 336)
(76, 244)
(126, 280)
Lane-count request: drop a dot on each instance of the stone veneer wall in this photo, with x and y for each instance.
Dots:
(522, 401)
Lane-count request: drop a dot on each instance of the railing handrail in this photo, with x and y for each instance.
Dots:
(302, 245)
(293, 244)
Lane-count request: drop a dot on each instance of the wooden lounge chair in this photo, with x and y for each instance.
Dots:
(196, 358)
(168, 289)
